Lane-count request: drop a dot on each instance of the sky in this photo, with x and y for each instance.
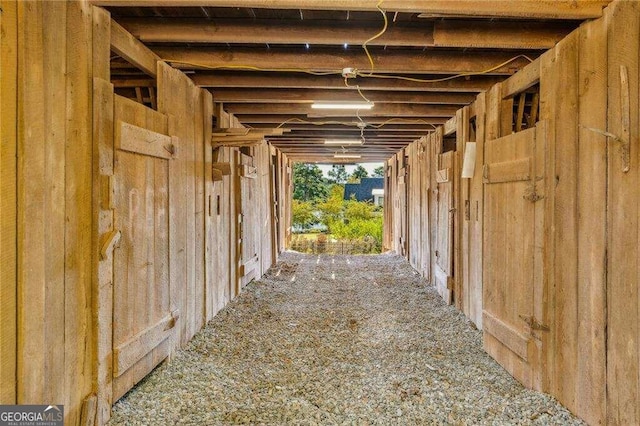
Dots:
(350, 168)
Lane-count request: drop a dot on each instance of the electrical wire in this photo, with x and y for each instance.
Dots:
(403, 120)
(382, 31)
(437, 80)
(354, 124)
(359, 74)
(252, 68)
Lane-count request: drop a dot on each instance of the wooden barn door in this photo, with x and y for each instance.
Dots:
(510, 277)
(249, 227)
(444, 226)
(144, 318)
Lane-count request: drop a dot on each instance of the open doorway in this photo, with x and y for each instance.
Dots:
(338, 208)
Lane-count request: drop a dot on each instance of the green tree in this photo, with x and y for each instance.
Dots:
(378, 171)
(338, 174)
(359, 173)
(308, 182)
(332, 209)
(358, 210)
(302, 214)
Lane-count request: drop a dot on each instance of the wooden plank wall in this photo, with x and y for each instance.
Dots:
(54, 203)
(179, 98)
(8, 192)
(57, 215)
(623, 216)
(586, 299)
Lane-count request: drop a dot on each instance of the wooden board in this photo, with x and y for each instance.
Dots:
(8, 193)
(102, 291)
(445, 203)
(78, 197)
(141, 288)
(425, 214)
(471, 193)
(566, 246)
(508, 256)
(414, 201)
(179, 98)
(250, 198)
(623, 329)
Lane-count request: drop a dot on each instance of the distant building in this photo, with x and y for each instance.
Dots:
(369, 189)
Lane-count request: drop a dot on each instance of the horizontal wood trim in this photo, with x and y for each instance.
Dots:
(225, 168)
(132, 50)
(450, 126)
(134, 349)
(522, 80)
(216, 175)
(143, 141)
(443, 176)
(508, 171)
(442, 284)
(507, 335)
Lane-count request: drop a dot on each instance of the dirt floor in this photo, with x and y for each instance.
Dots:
(356, 340)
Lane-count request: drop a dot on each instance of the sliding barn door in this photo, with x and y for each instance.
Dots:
(510, 279)
(144, 318)
(444, 226)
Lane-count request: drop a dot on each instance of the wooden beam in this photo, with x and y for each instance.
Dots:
(530, 9)
(323, 134)
(447, 33)
(390, 128)
(351, 121)
(499, 34)
(279, 80)
(309, 96)
(132, 50)
(384, 110)
(271, 31)
(519, 82)
(438, 61)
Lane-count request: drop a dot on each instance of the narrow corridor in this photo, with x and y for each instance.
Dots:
(336, 340)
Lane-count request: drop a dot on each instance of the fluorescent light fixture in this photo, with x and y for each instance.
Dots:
(346, 156)
(342, 105)
(343, 142)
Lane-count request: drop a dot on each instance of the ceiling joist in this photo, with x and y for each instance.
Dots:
(309, 96)
(379, 110)
(239, 79)
(457, 33)
(530, 9)
(436, 61)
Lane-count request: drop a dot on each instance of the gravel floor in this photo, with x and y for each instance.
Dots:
(355, 340)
